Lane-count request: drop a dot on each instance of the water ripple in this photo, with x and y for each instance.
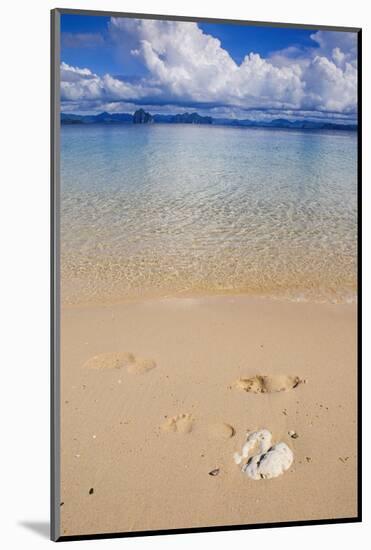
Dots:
(175, 209)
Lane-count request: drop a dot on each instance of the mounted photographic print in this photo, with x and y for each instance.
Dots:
(205, 193)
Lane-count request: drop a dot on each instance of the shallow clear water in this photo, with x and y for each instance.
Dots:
(168, 209)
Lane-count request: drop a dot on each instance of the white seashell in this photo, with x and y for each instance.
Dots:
(270, 464)
(262, 438)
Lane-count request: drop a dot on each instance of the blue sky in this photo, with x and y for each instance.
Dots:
(227, 70)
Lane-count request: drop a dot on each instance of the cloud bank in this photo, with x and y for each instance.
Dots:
(183, 66)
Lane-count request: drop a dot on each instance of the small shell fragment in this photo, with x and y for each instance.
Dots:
(237, 458)
(214, 472)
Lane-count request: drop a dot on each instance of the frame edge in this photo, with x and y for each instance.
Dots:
(54, 278)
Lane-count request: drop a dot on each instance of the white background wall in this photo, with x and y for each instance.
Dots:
(24, 255)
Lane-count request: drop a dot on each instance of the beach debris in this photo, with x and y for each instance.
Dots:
(91, 491)
(61, 504)
(262, 438)
(221, 431)
(293, 434)
(214, 472)
(268, 461)
(343, 459)
(268, 384)
(271, 464)
(308, 459)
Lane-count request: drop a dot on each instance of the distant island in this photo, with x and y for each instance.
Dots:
(143, 117)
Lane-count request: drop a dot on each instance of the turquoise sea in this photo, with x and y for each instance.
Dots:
(165, 210)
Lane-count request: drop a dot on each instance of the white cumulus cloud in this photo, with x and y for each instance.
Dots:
(83, 84)
(185, 64)
(190, 64)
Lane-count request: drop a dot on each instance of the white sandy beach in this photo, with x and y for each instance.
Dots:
(123, 469)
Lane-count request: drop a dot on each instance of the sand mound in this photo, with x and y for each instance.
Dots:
(112, 360)
(268, 384)
(182, 423)
(141, 366)
(118, 360)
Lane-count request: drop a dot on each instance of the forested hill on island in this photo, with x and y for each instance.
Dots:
(142, 117)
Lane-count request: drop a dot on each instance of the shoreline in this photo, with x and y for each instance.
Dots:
(189, 295)
(189, 353)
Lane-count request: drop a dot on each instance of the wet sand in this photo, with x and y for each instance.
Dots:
(152, 412)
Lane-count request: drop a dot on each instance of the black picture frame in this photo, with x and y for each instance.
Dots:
(55, 279)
